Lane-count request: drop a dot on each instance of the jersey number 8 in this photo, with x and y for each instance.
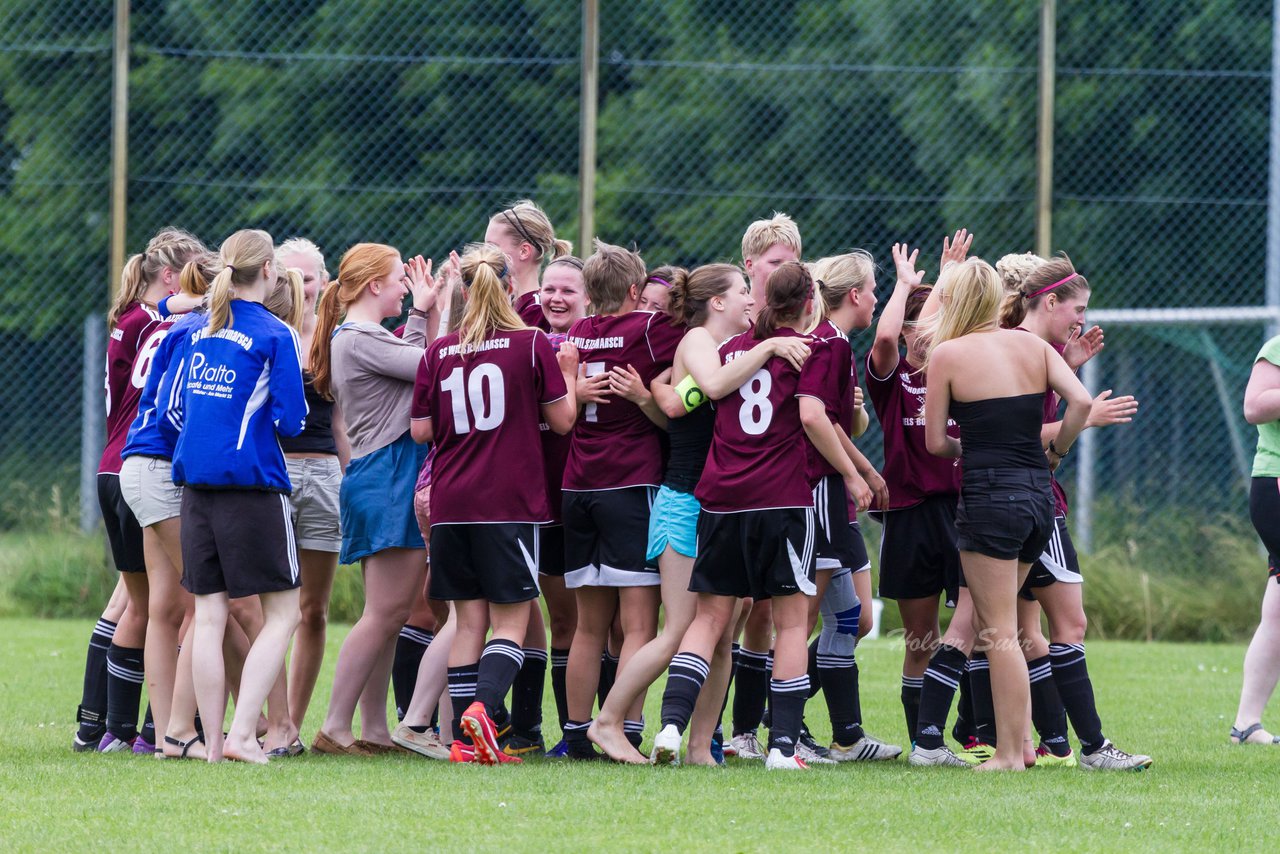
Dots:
(488, 413)
(756, 411)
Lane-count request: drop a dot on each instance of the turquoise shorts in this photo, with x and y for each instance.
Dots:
(673, 521)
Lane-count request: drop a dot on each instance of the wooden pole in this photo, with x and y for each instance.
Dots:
(588, 107)
(119, 144)
(1044, 131)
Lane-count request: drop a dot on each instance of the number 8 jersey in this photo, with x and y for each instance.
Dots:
(758, 450)
(485, 408)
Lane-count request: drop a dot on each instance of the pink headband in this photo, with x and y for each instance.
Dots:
(659, 280)
(1050, 287)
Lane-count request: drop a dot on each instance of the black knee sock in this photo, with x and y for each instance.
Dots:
(815, 676)
(526, 694)
(634, 731)
(963, 729)
(840, 688)
(751, 690)
(559, 667)
(1071, 674)
(92, 714)
(499, 664)
(410, 646)
(685, 678)
(939, 687)
(1047, 712)
(911, 686)
(787, 698)
(124, 690)
(462, 692)
(608, 672)
(148, 731)
(984, 710)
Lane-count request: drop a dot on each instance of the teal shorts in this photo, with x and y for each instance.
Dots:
(673, 521)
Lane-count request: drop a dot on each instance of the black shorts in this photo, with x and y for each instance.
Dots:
(605, 537)
(551, 550)
(495, 562)
(1264, 511)
(1057, 563)
(1005, 513)
(123, 531)
(237, 541)
(756, 553)
(838, 545)
(918, 554)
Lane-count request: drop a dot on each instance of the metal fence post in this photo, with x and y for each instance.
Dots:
(1084, 475)
(91, 418)
(1044, 129)
(588, 110)
(119, 143)
(1273, 175)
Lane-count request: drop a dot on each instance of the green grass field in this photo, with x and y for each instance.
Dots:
(1169, 700)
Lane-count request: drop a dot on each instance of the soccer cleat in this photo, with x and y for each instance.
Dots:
(746, 746)
(777, 762)
(142, 747)
(807, 739)
(976, 752)
(86, 745)
(717, 749)
(808, 755)
(666, 746)
(941, 756)
(484, 735)
(460, 753)
(111, 744)
(1111, 758)
(1045, 758)
(560, 751)
(519, 745)
(865, 749)
(426, 744)
(727, 748)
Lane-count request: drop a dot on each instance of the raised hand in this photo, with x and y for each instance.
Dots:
(567, 357)
(1082, 347)
(1108, 410)
(905, 264)
(425, 289)
(956, 249)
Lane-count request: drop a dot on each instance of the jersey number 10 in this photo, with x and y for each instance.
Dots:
(488, 409)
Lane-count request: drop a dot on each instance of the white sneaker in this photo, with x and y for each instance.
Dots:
(1111, 758)
(746, 746)
(865, 749)
(666, 746)
(778, 762)
(941, 756)
(808, 755)
(426, 744)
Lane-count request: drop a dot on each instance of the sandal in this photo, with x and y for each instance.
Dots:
(184, 746)
(324, 744)
(296, 748)
(1242, 736)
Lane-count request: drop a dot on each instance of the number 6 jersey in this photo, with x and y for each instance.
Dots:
(134, 341)
(485, 408)
(758, 450)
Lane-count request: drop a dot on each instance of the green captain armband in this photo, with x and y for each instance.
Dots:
(690, 395)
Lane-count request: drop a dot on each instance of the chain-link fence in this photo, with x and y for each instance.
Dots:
(869, 121)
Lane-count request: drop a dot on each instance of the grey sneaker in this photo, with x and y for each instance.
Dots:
(746, 746)
(941, 756)
(1111, 758)
(810, 756)
(865, 749)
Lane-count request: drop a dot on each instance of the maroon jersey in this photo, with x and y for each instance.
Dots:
(529, 307)
(758, 449)
(1050, 416)
(134, 341)
(910, 471)
(832, 380)
(484, 410)
(555, 451)
(615, 445)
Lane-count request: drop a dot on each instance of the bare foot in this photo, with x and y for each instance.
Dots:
(994, 764)
(615, 745)
(280, 737)
(1260, 736)
(195, 748)
(238, 750)
(700, 758)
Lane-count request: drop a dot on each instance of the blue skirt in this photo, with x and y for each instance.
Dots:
(376, 501)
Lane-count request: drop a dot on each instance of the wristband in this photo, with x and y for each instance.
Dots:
(690, 394)
(1056, 452)
(163, 306)
(417, 312)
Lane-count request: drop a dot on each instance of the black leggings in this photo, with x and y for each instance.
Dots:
(1264, 511)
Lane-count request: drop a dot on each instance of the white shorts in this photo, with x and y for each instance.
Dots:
(148, 488)
(316, 483)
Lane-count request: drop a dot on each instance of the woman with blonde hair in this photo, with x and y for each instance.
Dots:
(524, 233)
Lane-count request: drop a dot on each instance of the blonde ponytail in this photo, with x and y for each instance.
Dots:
(197, 274)
(220, 301)
(285, 299)
(132, 286)
(171, 248)
(488, 306)
(244, 254)
(973, 293)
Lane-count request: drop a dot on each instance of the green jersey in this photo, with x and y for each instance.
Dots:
(1266, 462)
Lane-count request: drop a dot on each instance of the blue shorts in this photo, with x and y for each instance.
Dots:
(376, 501)
(674, 521)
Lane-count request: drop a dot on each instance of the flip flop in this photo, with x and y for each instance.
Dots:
(1243, 735)
(295, 748)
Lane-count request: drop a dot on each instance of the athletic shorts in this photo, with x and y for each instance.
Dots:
(376, 500)
(551, 550)
(237, 541)
(605, 533)
(673, 522)
(1005, 513)
(317, 482)
(1264, 511)
(756, 553)
(918, 555)
(495, 562)
(1058, 563)
(148, 487)
(123, 531)
(838, 546)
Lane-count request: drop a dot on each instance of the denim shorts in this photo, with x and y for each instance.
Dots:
(1005, 513)
(376, 501)
(673, 521)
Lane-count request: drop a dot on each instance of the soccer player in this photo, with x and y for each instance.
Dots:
(480, 395)
(613, 469)
(243, 387)
(993, 383)
(656, 293)
(369, 373)
(756, 526)
(1262, 660)
(525, 234)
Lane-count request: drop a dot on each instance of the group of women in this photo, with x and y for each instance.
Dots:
(608, 440)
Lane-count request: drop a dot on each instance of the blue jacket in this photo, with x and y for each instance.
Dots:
(241, 387)
(151, 435)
